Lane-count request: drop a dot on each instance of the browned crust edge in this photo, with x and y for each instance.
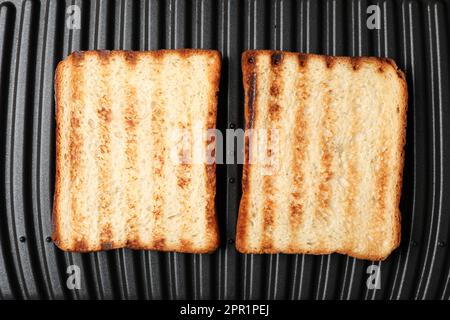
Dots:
(248, 62)
(210, 169)
(211, 214)
(401, 149)
(55, 212)
(355, 62)
(131, 56)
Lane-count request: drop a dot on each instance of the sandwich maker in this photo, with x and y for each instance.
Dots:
(36, 34)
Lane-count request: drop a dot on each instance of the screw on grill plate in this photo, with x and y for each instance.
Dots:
(230, 241)
(48, 239)
(442, 244)
(232, 126)
(231, 180)
(22, 239)
(414, 243)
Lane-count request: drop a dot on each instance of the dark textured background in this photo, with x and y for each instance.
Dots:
(33, 39)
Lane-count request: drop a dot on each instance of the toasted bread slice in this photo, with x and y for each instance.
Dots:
(116, 183)
(331, 181)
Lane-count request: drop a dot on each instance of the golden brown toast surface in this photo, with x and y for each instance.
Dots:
(116, 182)
(333, 179)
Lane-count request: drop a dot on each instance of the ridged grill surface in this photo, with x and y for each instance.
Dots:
(34, 38)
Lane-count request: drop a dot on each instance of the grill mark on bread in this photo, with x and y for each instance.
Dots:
(131, 58)
(134, 243)
(76, 162)
(274, 90)
(131, 120)
(274, 111)
(329, 61)
(302, 59)
(104, 111)
(268, 187)
(104, 56)
(182, 181)
(159, 243)
(186, 243)
(106, 245)
(81, 245)
(356, 62)
(250, 87)
(251, 99)
(77, 57)
(276, 58)
(106, 235)
(299, 145)
(250, 114)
